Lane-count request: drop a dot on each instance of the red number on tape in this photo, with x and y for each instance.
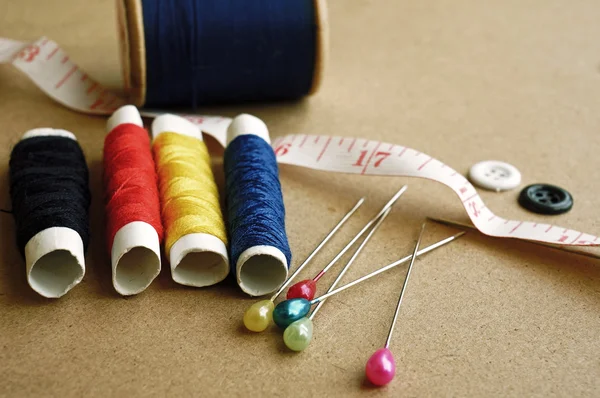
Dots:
(282, 149)
(29, 53)
(382, 156)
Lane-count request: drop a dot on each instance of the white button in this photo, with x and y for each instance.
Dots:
(495, 175)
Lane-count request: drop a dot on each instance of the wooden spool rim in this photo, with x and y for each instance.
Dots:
(133, 49)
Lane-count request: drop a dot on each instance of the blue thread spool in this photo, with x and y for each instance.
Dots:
(193, 52)
(260, 253)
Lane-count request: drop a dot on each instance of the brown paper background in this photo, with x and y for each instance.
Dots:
(461, 80)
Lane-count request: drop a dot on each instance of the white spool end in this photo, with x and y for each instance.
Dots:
(168, 123)
(199, 260)
(261, 270)
(55, 261)
(48, 132)
(127, 114)
(135, 258)
(245, 124)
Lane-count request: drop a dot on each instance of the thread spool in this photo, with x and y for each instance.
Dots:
(265, 43)
(135, 247)
(198, 256)
(261, 260)
(54, 255)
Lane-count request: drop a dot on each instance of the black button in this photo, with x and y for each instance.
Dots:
(545, 199)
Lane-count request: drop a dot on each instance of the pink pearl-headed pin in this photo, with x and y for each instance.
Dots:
(381, 367)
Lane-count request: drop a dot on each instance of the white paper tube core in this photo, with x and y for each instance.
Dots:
(168, 123)
(135, 258)
(125, 114)
(245, 124)
(49, 132)
(54, 261)
(199, 260)
(260, 269)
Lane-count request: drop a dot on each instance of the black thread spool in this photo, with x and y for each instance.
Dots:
(50, 199)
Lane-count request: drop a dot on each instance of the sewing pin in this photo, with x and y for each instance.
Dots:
(307, 288)
(381, 367)
(298, 335)
(291, 310)
(259, 315)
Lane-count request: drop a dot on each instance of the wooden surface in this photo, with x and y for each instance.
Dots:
(461, 80)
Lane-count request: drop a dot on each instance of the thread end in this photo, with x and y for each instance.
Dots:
(246, 124)
(125, 114)
(175, 124)
(48, 132)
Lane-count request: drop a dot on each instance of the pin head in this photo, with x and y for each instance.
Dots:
(298, 335)
(259, 315)
(289, 311)
(381, 367)
(303, 289)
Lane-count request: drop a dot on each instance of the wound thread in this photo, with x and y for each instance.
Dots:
(130, 181)
(211, 51)
(189, 194)
(256, 214)
(49, 187)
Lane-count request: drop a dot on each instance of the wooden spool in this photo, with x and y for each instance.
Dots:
(133, 48)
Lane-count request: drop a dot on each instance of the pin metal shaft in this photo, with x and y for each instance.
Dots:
(412, 261)
(362, 231)
(387, 267)
(319, 247)
(354, 256)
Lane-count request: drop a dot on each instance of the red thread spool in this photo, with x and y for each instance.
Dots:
(134, 226)
(130, 180)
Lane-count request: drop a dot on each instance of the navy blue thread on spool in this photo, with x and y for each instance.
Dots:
(256, 214)
(214, 51)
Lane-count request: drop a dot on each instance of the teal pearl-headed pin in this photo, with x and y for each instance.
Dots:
(291, 310)
(258, 317)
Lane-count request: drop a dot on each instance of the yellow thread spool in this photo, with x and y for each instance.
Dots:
(195, 235)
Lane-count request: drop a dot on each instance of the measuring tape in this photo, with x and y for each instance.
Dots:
(51, 69)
